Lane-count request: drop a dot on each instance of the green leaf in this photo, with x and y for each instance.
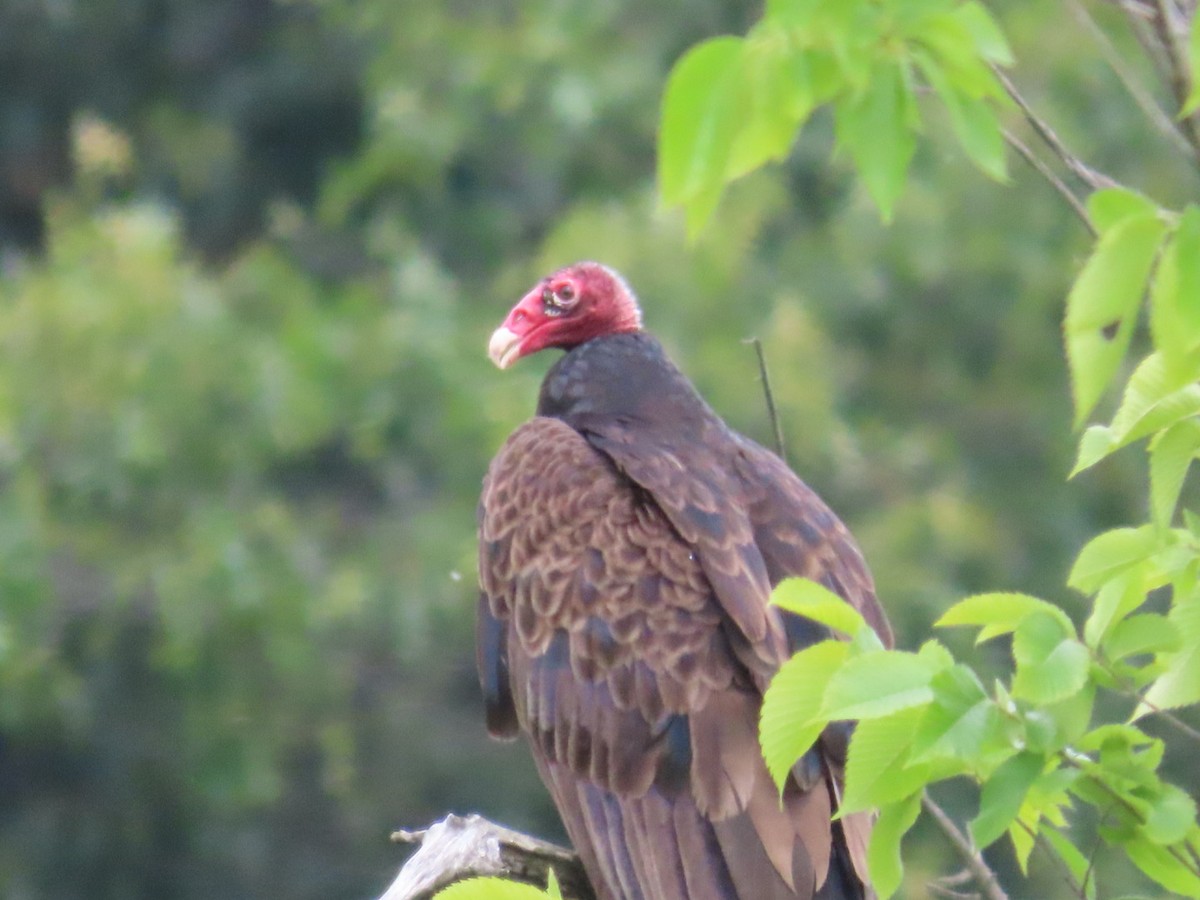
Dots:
(1051, 666)
(875, 763)
(950, 41)
(1111, 206)
(989, 38)
(1160, 864)
(975, 124)
(1117, 598)
(875, 127)
(1111, 553)
(1002, 796)
(701, 111)
(1103, 303)
(1175, 299)
(1023, 842)
(877, 684)
(778, 98)
(815, 601)
(1155, 398)
(998, 613)
(1192, 103)
(490, 889)
(883, 852)
(1170, 456)
(1172, 815)
(959, 721)
(1145, 633)
(1179, 685)
(787, 725)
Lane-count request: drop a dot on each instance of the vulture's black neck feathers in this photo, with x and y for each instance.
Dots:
(627, 377)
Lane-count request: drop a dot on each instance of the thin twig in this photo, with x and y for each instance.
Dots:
(984, 876)
(1137, 91)
(1064, 872)
(1057, 183)
(770, 397)
(940, 891)
(1172, 32)
(1085, 173)
(1191, 865)
(1127, 689)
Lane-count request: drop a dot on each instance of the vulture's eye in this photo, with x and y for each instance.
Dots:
(556, 301)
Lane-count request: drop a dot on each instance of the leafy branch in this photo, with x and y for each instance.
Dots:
(733, 104)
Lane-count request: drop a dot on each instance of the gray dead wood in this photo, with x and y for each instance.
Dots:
(460, 847)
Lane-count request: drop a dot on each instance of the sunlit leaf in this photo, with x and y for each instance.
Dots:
(874, 127)
(490, 889)
(1164, 867)
(815, 601)
(875, 766)
(702, 108)
(952, 40)
(959, 721)
(1179, 685)
(1002, 796)
(883, 853)
(792, 700)
(1110, 553)
(1172, 815)
(989, 38)
(1170, 458)
(877, 684)
(998, 613)
(975, 124)
(1118, 597)
(1111, 206)
(1145, 633)
(1050, 665)
(1103, 303)
(1155, 398)
(778, 98)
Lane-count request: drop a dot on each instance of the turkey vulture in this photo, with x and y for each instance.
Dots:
(628, 543)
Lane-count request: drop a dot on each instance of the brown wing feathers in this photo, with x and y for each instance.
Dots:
(624, 627)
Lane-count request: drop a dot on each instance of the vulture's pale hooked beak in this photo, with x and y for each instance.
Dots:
(504, 347)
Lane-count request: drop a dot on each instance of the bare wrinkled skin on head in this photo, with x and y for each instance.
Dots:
(566, 308)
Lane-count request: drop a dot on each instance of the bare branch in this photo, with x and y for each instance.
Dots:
(1057, 183)
(1092, 178)
(1172, 29)
(984, 876)
(1163, 122)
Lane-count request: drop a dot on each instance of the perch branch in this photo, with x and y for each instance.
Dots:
(460, 847)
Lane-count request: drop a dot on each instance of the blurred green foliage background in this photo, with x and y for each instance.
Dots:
(250, 254)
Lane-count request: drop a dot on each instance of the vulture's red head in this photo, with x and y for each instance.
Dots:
(565, 309)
